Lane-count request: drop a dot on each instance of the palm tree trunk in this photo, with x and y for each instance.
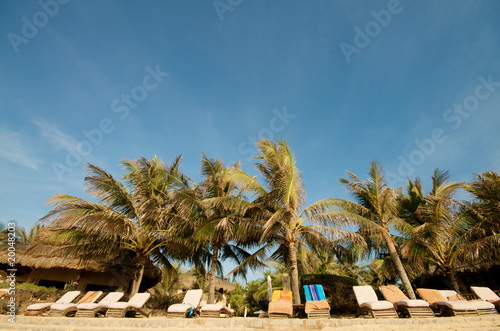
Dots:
(294, 272)
(136, 282)
(399, 266)
(211, 281)
(453, 280)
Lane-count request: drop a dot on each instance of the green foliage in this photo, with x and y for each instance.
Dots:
(27, 294)
(338, 292)
(30, 287)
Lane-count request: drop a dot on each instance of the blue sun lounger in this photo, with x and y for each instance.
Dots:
(316, 304)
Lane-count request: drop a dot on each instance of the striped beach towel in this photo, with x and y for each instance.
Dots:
(314, 292)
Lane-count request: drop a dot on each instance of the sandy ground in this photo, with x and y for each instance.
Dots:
(482, 323)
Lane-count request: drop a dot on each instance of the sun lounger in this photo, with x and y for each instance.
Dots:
(411, 308)
(189, 305)
(482, 307)
(368, 302)
(38, 309)
(281, 305)
(69, 309)
(92, 309)
(132, 307)
(486, 294)
(449, 302)
(316, 304)
(216, 310)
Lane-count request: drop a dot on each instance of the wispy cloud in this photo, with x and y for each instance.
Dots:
(16, 148)
(55, 136)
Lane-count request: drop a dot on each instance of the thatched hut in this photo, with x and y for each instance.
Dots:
(48, 265)
(192, 280)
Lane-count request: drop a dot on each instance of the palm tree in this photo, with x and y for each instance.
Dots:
(134, 217)
(284, 222)
(375, 213)
(485, 189)
(215, 220)
(22, 237)
(443, 233)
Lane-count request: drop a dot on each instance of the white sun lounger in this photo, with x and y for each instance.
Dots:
(68, 309)
(216, 310)
(189, 305)
(92, 309)
(440, 299)
(486, 294)
(482, 307)
(40, 308)
(368, 302)
(411, 308)
(133, 306)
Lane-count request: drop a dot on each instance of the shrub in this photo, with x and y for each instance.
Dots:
(338, 292)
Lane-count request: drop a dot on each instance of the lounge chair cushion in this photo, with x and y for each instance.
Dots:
(413, 303)
(430, 295)
(485, 293)
(217, 307)
(104, 303)
(315, 305)
(123, 305)
(281, 307)
(90, 297)
(377, 305)
(364, 294)
(448, 294)
(62, 306)
(483, 304)
(91, 306)
(456, 297)
(193, 297)
(458, 305)
(66, 298)
(212, 307)
(393, 294)
(179, 308)
(39, 306)
(137, 301)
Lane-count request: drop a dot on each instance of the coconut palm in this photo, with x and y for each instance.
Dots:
(375, 213)
(485, 189)
(444, 234)
(22, 237)
(285, 223)
(210, 207)
(134, 217)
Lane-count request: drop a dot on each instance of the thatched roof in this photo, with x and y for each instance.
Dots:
(188, 280)
(40, 255)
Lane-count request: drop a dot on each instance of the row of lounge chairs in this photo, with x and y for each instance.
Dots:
(434, 302)
(110, 307)
(86, 306)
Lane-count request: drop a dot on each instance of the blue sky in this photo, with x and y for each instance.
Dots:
(413, 85)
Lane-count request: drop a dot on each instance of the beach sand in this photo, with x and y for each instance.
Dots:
(482, 323)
